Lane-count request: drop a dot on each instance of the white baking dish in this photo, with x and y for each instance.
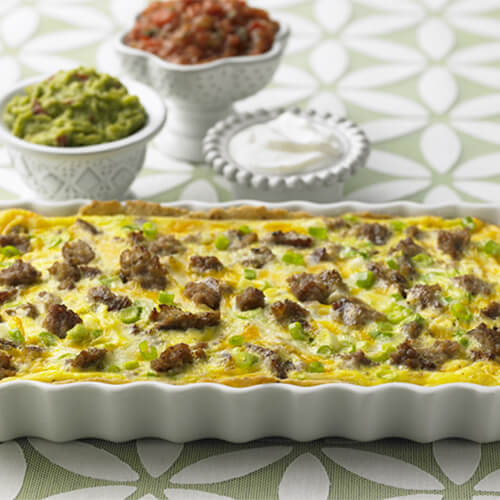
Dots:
(184, 413)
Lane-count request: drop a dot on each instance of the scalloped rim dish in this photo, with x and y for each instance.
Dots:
(207, 410)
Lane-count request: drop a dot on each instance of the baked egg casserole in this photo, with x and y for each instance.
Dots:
(247, 295)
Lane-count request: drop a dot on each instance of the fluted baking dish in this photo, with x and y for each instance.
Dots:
(205, 410)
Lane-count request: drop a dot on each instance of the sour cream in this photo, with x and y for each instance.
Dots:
(289, 144)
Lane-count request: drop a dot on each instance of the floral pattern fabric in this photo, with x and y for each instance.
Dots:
(422, 77)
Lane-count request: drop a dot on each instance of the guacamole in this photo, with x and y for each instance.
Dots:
(73, 108)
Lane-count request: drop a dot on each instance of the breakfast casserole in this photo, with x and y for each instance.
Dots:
(247, 295)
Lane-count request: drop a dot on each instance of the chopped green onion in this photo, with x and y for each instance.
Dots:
(492, 248)
(150, 230)
(107, 280)
(221, 242)
(244, 360)
(16, 336)
(250, 274)
(114, 369)
(297, 331)
(96, 333)
(237, 340)
(166, 298)
(267, 285)
(397, 313)
(461, 312)
(468, 223)
(152, 374)
(55, 242)
(47, 338)
(78, 334)
(65, 355)
(398, 225)
(366, 280)
(463, 341)
(350, 218)
(325, 350)
(296, 259)
(320, 233)
(244, 229)
(131, 227)
(9, 251)
(316, 367)
(130, 314)
(131, 365)
(392, 263)
(423, 259)
(397, 296)
(148, 352)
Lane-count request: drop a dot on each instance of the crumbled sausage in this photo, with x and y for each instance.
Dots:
(474, 285)
(258, 257)
(377, 233)
(104, 295)
(208, 292)
(492, 310)
(238, 239)
(425, 358)
(413, 329)
(198, 350)
(174, 318)
(77, 252)
(287, 311)
(66, 274)
(454, 243)
(291, 238)
(324, 254)
(20, 241)
(60, 319)
(279, 366)
(204, 263)
(173, 358)
(87, 226)
(19, 273)
(48, 298)
(336, 223)
(166, 244)
(390, 276)
(7, 295)
(7, 369)
(355, 360)
(318, 287)
(425, 296)
(414, 232)
(89, 271)
(27, 310)
(489, 339)
(89, 357)
(250, 298)
(408, 248)
(140, 264)
(352, 311)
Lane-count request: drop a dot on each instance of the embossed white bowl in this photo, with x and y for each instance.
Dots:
(104, 171)
(199, 95)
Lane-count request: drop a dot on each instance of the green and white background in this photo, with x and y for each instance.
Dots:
(423, 79)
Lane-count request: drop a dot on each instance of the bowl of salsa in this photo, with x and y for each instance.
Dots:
(201, 56)
(79, 133)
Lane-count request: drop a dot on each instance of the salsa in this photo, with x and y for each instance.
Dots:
(73, 108)
(199, 31)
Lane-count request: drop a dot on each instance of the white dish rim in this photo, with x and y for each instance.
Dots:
(401, 207)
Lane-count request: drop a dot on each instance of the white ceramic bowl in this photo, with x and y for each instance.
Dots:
(104, 171)
(323, 185)
(61, 412)
(198, 95)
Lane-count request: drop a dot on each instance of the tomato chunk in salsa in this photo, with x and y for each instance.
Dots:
(199, 31)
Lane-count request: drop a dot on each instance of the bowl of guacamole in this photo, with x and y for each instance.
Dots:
(79, 133)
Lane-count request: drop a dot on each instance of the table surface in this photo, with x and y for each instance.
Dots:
(423, 79)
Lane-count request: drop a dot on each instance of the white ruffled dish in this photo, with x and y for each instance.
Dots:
(323, 185)
(102, 172)
(196, 411)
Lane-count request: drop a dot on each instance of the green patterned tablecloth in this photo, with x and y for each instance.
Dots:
(423, 78)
